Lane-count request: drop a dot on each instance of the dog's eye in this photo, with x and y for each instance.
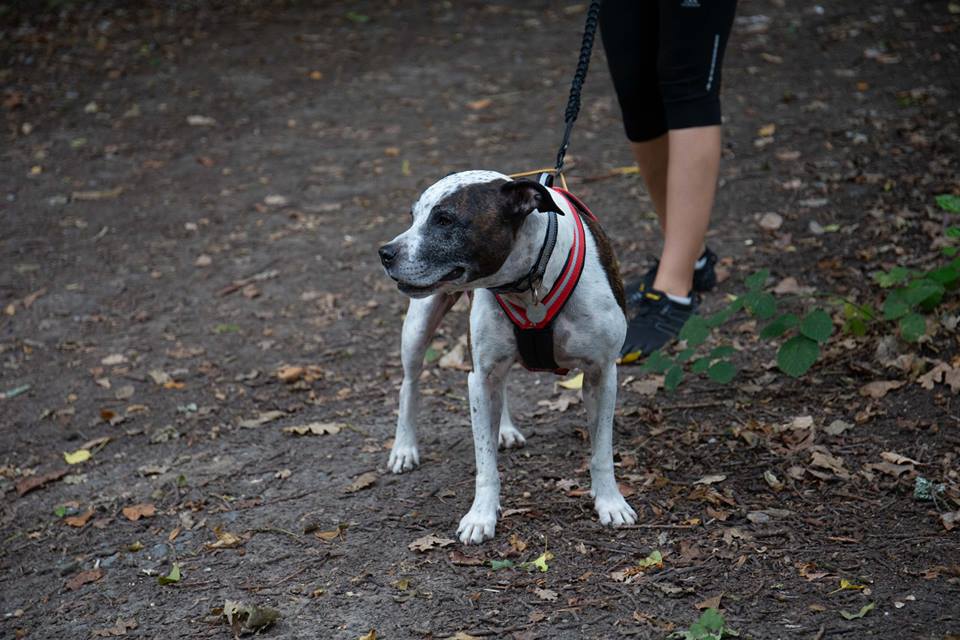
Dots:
(442, 218)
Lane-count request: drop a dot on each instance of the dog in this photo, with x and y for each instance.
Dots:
(515, 244)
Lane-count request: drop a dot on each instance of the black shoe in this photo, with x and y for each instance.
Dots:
(658, 320)
(704, 279)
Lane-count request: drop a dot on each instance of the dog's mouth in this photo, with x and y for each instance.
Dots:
(415, 290)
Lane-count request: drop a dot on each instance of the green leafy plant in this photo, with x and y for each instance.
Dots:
(710, 626)
(912, 295)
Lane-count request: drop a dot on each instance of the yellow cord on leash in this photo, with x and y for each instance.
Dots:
(523, 174)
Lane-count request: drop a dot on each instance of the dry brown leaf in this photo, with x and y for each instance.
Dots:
(84, 577)
(79, 521)
(428, 543)
(263, 418)
(896, 458)
(28, 484)
(314, 428)
(137, 511)
(225, 540)
(879, 388)
(710, 603)
(477, 105)
(935, 375)
(290, 373)
(462, 559)
(546, 594)
(950, 519)
(711, 479)
(823, 459)
(362, 481)
(119, 629)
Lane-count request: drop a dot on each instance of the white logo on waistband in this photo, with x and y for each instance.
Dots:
(690, 4)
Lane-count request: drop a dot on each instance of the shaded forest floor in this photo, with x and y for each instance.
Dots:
(192, 197)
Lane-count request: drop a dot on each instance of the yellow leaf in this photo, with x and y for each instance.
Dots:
(576, 382)
(369, 636)
(655, 559)
(78, 456)
(541, 562)
(846, 585)
(767, 130)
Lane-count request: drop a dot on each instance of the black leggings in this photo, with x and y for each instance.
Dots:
(665, 58)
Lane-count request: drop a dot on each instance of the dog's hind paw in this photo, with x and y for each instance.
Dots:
(510, 437)
(403, 458)
(477, 526)
(615, 511)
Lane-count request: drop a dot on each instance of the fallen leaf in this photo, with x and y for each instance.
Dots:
(30, 483)
(460, 635)
(79, 521)
(104, 194)
(171, 578)
(290, 373)
(333, 534)
(711, 479)
(950, 519)
(576, 382)
(362, 481)
(114, 359)
(263, 418)
(879, 388)
(767, 130)
(710, 603)
(76, 457)
(935, 375)
(824, 460)
(864, 610)
(545, 594)
(462, 559)
(137, 511)
(119, 629)
(837, 427)
(540, 563)
(896, 458)
(314, 428)
(225, 540)
(847, 585)
(245, 617)
(429, 542)
(84, 577)
(477, 105)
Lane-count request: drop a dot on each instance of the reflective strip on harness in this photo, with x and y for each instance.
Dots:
(535, 335)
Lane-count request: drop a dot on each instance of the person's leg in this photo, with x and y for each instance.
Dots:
(689, 68)
(693, 168)
(652, 158)
(692, 37)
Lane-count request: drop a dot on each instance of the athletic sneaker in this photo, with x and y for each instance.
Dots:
(704, 278)
(658, 320)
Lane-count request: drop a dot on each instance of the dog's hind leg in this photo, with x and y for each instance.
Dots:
(423, 318)
(510, 436)
(600, 386)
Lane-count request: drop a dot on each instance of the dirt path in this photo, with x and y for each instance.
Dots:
(191, 201)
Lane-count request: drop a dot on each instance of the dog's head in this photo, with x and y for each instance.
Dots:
(464, 228)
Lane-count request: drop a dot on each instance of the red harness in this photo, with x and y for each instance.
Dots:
(535, 335)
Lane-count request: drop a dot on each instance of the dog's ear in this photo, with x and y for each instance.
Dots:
(524, 196)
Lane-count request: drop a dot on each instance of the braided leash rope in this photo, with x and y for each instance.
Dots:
(579, 77)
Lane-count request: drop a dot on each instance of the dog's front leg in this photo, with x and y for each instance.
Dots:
(486, 397)
(600, 395)
(421, 322)
(510, 436)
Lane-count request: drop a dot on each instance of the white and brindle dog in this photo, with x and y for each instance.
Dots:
(480, 230)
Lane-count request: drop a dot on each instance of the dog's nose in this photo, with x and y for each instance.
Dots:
(388, 254)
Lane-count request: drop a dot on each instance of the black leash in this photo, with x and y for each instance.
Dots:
(579, 76)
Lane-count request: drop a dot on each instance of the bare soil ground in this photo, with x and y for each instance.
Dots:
(192, 197)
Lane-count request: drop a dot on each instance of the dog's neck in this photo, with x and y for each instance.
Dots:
(530, 239)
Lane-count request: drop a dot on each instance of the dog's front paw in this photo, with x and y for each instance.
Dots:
(478, 525)
(614, 511)
(510, 437)
(403, 458)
